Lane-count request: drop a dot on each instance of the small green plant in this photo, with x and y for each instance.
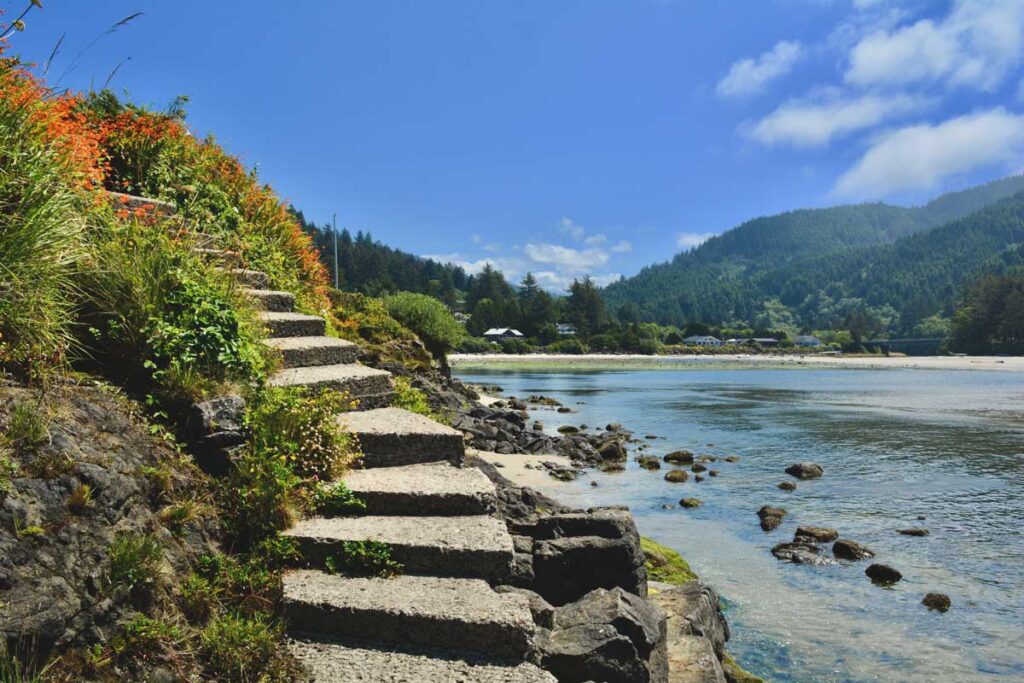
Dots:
(198, 598)
(22, 530)
(26, 427)
(179, 515)
(363, 558)
(335, 499)
(80, 499)
(135, 560)
(147, 638)
(8, 469)
(239, 649)
(258, 498)
(160, 482)
(409, 397)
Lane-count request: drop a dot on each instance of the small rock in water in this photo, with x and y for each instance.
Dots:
(770, 517)
(538, 426)
(712, 473)
(805, 470)
(691, 502)
(677, 476)
(921, 518)
(851, 550)
(612, 467)
(666, 506)
(732, 458)
(564, 409)
(710, 445)
(594, 483)
(567, 429)
(679, 458)
(937, 601)
(649, 462)
(787, 486)
(698, 478)
(913, 531)
(816, 533)
(697, 467)
(651, 437)
(799, 552)
(883, 573)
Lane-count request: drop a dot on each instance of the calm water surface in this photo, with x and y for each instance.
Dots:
(895, 444)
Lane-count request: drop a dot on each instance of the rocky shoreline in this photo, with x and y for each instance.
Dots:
(599, 616)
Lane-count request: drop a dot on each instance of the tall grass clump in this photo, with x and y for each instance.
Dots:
(42, 210)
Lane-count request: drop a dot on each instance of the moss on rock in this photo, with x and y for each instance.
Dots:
(664, 564)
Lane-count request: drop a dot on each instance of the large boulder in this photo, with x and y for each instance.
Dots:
(692, 660)
(607, 635)
(805, 470)
(692, 609)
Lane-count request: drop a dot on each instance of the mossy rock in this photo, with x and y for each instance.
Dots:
(691, 502)
(734, 673)
(664, 564)
(677, 476)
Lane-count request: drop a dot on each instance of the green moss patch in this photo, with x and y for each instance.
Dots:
(664, 564)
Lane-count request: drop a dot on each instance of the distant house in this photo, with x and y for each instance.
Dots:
(807, 340)
(498, 333)
(702, 340)
(566, 330)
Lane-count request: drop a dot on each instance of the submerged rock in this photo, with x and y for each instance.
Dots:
(697, 467)
(846, 549)
(818, 534)
(800, 552)
(787, 486)
(883, 573)
(698, 478)
(805, 470)
(937, 601)
(914, 531)
(649, 462)
(770, 517)
(679, 458)
(691, 502)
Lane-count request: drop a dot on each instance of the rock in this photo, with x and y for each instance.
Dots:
(649, 462)
(538, 426)
(564, 409)
(713, 473)
(914, 531)
(698, 478)
(651, 437)
(677, 476)
(805, 470)
(693, 609)
(708, 458)
(770, 517)
(845, 549)
(679, 458)
(732, 458)
(937, 601)
(612, 450)
(691, 502)
(667, 506)
(691, 659)
(697, 467)
(816, 533)
(800, 552)
(614, 427)
(787, 486)
(607, 635)
(568, 429)
(883, 574)
(612, 467)
(921, 518)
(542, 611)
(594, 483)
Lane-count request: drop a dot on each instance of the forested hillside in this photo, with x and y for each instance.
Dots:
(813, 268)
(370, 267)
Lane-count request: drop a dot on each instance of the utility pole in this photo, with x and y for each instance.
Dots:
(334, 230)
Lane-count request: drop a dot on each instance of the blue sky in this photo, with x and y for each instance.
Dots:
(571, 136)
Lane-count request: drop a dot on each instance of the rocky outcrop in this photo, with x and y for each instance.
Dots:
(805, 470)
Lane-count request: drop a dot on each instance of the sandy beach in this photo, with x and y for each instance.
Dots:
(605, 361)
(513, 466)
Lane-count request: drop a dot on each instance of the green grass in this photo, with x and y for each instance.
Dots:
(135, 560)
(27, 426)
(664, 564)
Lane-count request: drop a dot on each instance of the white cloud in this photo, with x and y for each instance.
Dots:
(475, 238)
(596, 241)
(751, 76)
(690, 240)
(976, 46)
(922, 156)
(566, 258)
(622, 246)
(566, 226)
(813, 124)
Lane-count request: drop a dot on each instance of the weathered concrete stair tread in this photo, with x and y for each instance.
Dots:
(308, 351)
(449, 613)
(251, 278)
(272, 299)
(393, 436)
(287, 324)
(424, 489)
(328, 661)
(358, 380)
(474, 546)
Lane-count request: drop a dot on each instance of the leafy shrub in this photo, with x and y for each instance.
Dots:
(198, 598)
(238, 649)
(335, 499)
(148, 639)
(363, 558)
(573, 346)
(41, 226)
(409, 397)
(429, 319)
(475, 345)
(258, 498)
(300, 428)
(515, 346)
(135, 560)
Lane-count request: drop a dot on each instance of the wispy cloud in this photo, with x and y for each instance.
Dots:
(751, 76)
(804, 123)
(922, 156)
(691, 240)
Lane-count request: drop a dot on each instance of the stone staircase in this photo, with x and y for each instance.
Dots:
(441, 620)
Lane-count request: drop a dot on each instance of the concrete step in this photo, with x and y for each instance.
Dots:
(426, 489)
(333, 661)
(282, 324)
(367, 385)
(477, 547)
(425, 611)
(393, 436)
(272, 300)
(256, 279)
(300, 352)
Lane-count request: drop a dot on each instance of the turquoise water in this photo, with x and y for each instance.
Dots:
(895, 444)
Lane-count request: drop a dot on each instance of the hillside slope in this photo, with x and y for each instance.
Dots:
(731, 276)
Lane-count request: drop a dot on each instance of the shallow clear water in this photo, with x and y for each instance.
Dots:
(894, 444)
